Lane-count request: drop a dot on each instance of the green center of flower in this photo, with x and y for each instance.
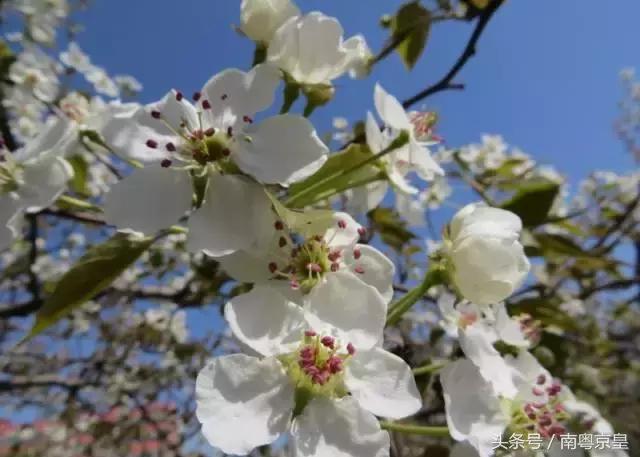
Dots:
(316, 368)
(309, 262)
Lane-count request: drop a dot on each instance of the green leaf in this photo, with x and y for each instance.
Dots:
(410, 29)
(533, 201)
(80, 171)
(391, 227)
(323, 184)
(559, 244)
(91, 274)
(307, 223)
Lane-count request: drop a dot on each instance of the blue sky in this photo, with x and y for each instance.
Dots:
(545, 76)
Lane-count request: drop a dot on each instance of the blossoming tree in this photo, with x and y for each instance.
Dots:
(209, 271)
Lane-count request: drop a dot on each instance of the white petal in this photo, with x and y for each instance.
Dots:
(45, 178)
(337, 428)
(473, 412)
(9, 208)
(463, 449)
(128, 133)
(344, 232)
(365, 198)
(374, 268)
(149, 199)
(261, 18)
(243, 402)
(234, 215)
(344, 305)
(244, 266)
(53, 139)
(375, 139)
(265, 320)
(283, 149)
(234, 94)
(390, 110)
(476, 341)
(422, 162)
(509, 329)
(383, 384)
(358, 56)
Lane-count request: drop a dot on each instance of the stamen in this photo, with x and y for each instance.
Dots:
(359, 269)
(179, 96)
(196, 96)
(351, 349)
(273, 267)
(206, 104)
(166, 163)
(152, 144)
(342, 224)
(328, 341)
(156, 114)
(210, 131)
(282, 242)
(278, 225)
(356, 253)
(247, 119)
(171, 147)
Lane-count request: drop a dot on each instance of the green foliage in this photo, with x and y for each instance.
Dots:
(410, 29)
(339, 173)
(391, 227)
(79, 181)
(533, 201)
(91, 274)
(307, 223)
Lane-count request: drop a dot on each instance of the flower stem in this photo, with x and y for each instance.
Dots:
(411, 429)
(428, 369)
(433, 277)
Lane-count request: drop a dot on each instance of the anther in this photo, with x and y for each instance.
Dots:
(247, 119)
(166, 163)
(196, 96)
(179, 96)
(356, 253)
(359, 269)
(156, 114)
(335, 267)
(229, 131)
(314, 267)
(210, 131)
(278, 225)
(282, 242)
(310, 333)
(226, 152)
(273, 267)
(541, 379)
(171, 147)
(362, 231)
(351, 349)
(224, 97)
(342, 224)
(152, 144)
(328, 341)
(206, 104)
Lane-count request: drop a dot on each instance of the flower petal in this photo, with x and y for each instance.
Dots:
(373, 267)
(128, 133)
(472, 410)
(265, 320)
(344, 233)
(383, 384)
(45, 178)
(390, 110)
(365, 198)
(243, 402)
(476, 342)
(149, 199)
(234, 94)
(337, 428)
(344, 305)
(283, 149)
(236, 214)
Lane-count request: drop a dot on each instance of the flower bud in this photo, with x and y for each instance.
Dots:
(261, 18)
(485, 258)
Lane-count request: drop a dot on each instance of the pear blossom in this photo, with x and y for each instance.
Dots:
(329, 282)
(261, 18)
(36, 72)
(323, 393)
(412, 157)
(214, 140)
(311, 50)
(101, 81)
(476, 414)
(485, 258)
(33, 177)
(44, 16)
(75, 58)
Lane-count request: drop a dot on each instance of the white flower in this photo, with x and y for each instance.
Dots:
(128, 84)
(75, 58)
(36, 71)
(476, 414)
(328, 282)
(33, 177)
(311, 49)
(244, 402)
(208, 141)
(487, 262)
(44, 16)
(259, 19)
(101, 81)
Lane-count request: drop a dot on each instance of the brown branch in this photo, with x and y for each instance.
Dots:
(469, 51)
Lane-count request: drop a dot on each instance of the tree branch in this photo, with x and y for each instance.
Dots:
(469, 51)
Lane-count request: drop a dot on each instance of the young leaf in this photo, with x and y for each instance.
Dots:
(410, 29)
(91, 274)
(533, 201)
(307, 223)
